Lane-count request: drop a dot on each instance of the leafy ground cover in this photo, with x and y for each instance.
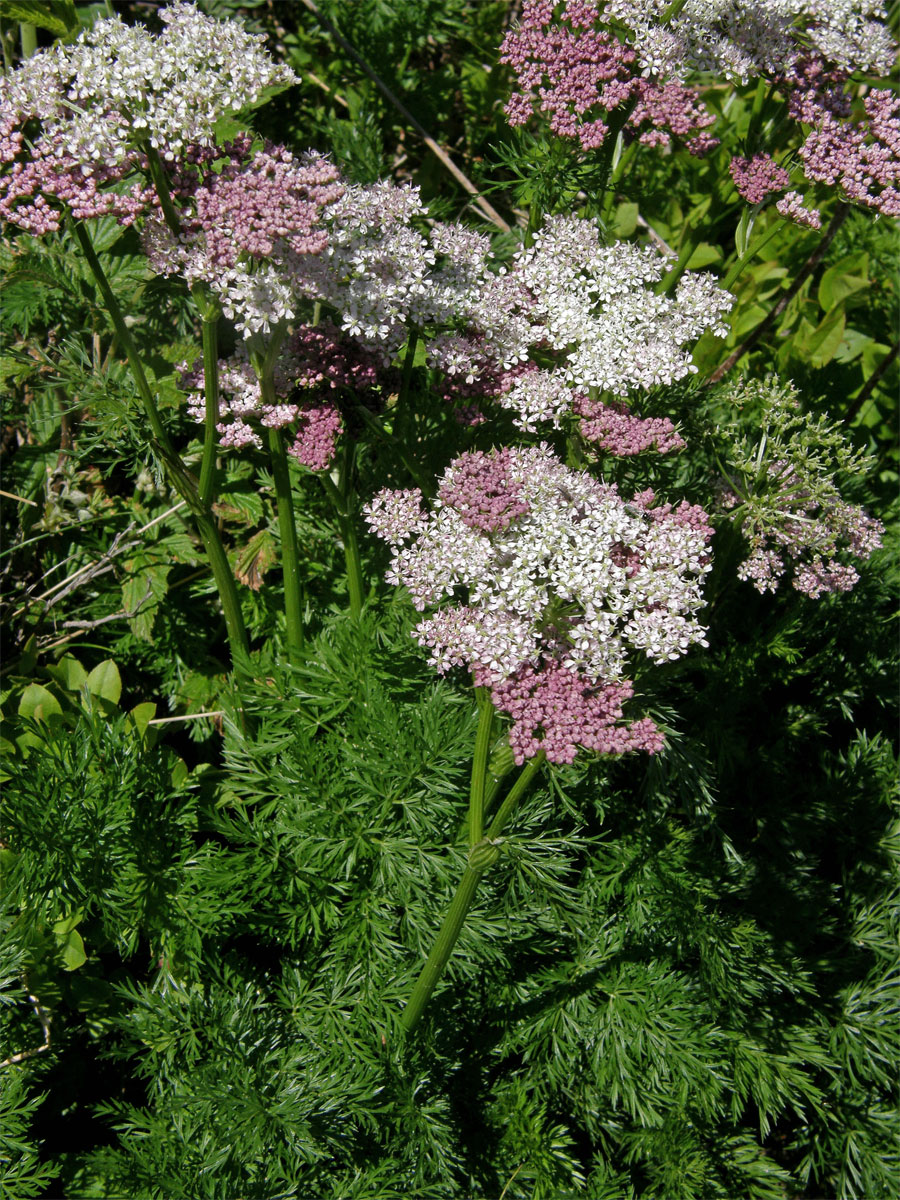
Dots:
(449, 589)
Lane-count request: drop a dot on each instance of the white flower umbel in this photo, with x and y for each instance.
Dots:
(747, 38)
(596, 304)
(118, 86)
(555, 565)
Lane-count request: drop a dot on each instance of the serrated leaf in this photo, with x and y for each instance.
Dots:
(847, 276)
(39, 704)
(105, 681)
(142, 591)
(255, 559)
(245, 507)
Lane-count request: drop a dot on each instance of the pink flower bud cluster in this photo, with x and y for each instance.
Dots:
(247, 229)
(571, 70)
(758, 177)
(791, 207)
(479, 487)
(577, 576)
(316, 440)
(612, 427)
(36, 193)
(557, 710)
(861, 158)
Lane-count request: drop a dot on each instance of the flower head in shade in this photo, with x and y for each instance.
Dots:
(315, 363)
(782, 492)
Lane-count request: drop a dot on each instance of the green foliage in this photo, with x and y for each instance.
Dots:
(679, 979)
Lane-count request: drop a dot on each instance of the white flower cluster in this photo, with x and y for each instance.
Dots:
(385, 276)
(576, 574)
(118, 85)
(593, 304)
(747, 38)
(597, 303)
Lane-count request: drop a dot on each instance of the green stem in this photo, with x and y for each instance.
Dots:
(689, 244)
(408, 363)
(515, 794)
(179, 477)
(290, 557)
(355, 586)
(672, 11)
(28, 38)
(158, 175)
(164, 446)
(481, 857)
(750, 253)
(442, 948)
(211, 419)
(479, 765)
(759, 99)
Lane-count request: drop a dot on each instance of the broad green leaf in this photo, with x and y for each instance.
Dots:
(72, 951)
(852, 346)
(849, 275)
(873, 356)
(29, 655)
(826, 338)
(104, 681)
(748, 319)
(69, 672)
(179, 772)
(65, 924)
(704, 255)
(624, 220)
(38, 703)
(743, 231)
(141, 716)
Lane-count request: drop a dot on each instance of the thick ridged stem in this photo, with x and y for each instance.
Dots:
(28, 38)
(479, 765)
(211, 418)
(480, 857)
(355, 585)
(290, 555)
(178, 476)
